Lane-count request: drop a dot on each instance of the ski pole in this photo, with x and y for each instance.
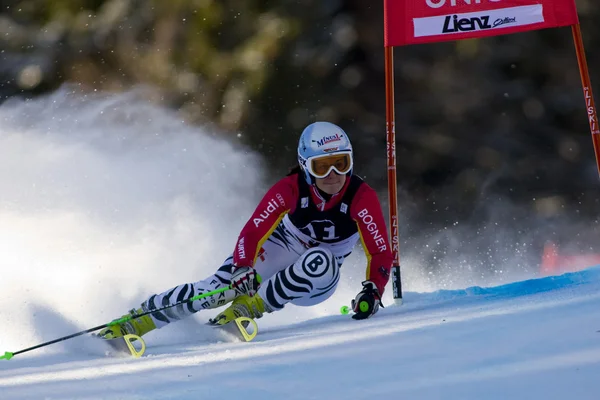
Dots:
(8, 355)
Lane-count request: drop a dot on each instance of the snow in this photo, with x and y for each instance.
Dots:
(105, 200)
(534, 339)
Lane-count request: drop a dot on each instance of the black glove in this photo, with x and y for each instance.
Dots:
(245, 280)
(367, 302)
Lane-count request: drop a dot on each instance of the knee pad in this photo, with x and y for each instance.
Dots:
(318, 269)
(309, 281)
(317, 262)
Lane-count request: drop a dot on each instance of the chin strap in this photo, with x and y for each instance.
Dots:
(324, 197)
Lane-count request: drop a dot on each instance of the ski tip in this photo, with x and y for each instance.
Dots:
(129, 339)
(248, 328)
(7, 356)
(243, 328)
(125, 345)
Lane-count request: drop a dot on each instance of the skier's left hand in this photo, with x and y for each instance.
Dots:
(367, 302)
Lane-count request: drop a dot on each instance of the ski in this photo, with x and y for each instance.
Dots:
(125, 345)
(243, 328)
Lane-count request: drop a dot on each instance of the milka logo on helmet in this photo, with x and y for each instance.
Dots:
(329, 139)
(271, 207)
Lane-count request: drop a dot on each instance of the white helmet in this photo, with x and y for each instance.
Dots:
(323, 147)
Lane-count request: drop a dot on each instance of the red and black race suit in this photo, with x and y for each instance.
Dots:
(353, 212)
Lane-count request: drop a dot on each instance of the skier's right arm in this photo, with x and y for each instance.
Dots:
(278, 201)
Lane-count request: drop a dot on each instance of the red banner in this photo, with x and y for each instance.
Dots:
(427, 21)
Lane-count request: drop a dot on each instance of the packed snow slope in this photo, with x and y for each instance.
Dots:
(536, 339)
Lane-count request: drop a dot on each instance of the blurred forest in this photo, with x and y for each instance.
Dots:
(492, 135)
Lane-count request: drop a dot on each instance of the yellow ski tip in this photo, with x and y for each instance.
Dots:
(129, 339)
(248, 335)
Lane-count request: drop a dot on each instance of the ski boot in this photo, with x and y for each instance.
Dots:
(136, 326)
(243, 306)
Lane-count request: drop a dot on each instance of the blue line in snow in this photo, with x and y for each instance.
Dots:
(521, 288)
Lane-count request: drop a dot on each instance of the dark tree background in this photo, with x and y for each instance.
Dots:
(493, 144)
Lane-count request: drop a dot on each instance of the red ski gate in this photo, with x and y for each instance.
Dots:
(429, 21)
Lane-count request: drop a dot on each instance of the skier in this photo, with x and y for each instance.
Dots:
(292, 247)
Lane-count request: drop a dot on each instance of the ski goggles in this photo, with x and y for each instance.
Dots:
(321, 166)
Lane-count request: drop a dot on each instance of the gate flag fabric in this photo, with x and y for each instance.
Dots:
(429, 21)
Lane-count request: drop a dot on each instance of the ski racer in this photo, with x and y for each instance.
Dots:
(292, 247)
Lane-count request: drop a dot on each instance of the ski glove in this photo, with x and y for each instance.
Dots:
(245, 280)
(367, 302)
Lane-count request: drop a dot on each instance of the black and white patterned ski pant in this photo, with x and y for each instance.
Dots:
(290, 273)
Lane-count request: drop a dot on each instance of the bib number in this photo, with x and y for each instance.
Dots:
(320, 230)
